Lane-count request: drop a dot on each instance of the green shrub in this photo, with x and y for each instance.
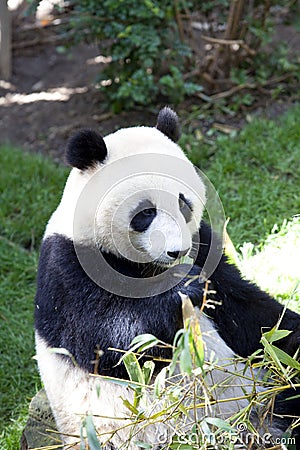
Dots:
(155, 55)
(148, 55)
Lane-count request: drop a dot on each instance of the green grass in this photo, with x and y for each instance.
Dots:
(261, 264)
(30, 187)
(257, 174)
(17, 369)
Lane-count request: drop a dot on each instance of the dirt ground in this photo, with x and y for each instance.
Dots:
(51, 94)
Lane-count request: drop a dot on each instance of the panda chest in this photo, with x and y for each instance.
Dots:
(106, 324)
(121, 320)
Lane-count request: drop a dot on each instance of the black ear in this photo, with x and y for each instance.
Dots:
(85, 149)
(168, 123)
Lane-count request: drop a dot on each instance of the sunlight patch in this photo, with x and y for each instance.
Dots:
(62, 94)
(275, 267)
(100, 59)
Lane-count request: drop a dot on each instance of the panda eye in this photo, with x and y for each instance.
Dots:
(143, 218)
(149, 212)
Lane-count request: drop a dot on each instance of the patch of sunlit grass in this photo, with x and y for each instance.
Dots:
(275, 264)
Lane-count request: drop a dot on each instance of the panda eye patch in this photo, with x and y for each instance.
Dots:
(185, 207)
(143, 216)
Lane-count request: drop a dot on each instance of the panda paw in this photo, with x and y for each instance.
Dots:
(193, 286)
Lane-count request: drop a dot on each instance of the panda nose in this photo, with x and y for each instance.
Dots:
(177, 253)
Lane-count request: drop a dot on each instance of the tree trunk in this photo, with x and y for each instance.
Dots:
(5, 41)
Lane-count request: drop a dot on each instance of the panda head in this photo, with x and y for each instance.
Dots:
(134, 193)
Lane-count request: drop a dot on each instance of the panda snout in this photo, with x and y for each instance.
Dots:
(174, 254)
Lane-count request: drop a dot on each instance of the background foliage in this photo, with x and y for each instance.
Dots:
(143, 41)
(171, 49)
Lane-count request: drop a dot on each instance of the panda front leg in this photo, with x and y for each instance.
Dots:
(242, 311)
(74, 393)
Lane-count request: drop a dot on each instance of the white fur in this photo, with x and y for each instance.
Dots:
(104, 214)
(168, 231)
(73, 393)
(140, 140)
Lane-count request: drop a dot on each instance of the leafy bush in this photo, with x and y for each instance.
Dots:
(148, 55)
(166, 50)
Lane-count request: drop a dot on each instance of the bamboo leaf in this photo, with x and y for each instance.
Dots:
(98, 390)
(91, 434)
(205, 428)
(197, 346)
(160, 382)
(285, 358)
(186, 364)
(191, 319)
(178, 337)
(179, 446)
(129, 406)
(143, 445)
(269, 348)
(143, 342)
(222, 424)
(173, 364)
(275, 335)
(118, 381)
(147, 370)
(133, 368)
(82, 441)
(183, 409)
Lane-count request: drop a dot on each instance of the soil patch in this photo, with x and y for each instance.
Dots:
(52, 93)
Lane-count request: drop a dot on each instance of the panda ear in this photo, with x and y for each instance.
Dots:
(168, 123)
(85, 149)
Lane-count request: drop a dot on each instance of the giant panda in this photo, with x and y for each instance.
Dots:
(110, 270)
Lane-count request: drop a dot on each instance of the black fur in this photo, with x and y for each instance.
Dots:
(241, 314)
(142, 220)
(245, 311)
(168, 123)
(73, 312)
(85, 149)
(143, 216)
